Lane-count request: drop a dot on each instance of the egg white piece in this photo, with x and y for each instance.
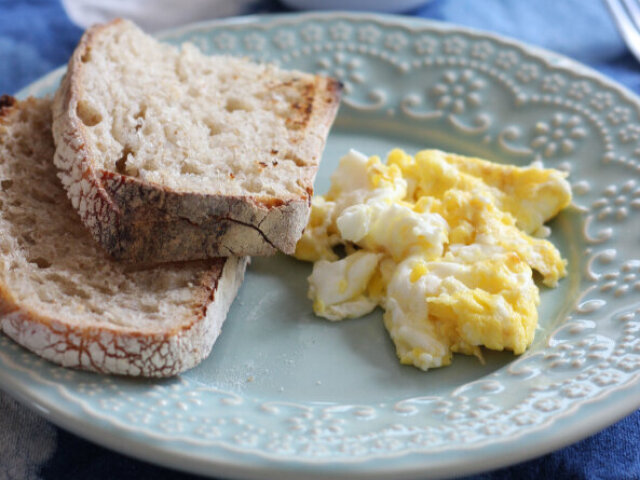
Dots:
(338, 288)
(394, 227)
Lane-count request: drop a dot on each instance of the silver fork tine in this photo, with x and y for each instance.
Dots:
(633, 7)
(627, 26)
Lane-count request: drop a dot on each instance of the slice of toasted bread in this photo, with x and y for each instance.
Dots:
(63, 298)
(168, 154)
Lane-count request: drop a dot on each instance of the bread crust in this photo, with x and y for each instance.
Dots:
(140, 221)
(149, 352)
(133, 353)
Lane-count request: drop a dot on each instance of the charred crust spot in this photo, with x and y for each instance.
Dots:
(274, 152)
(262, 164)
(334, 90)
(309, 191)
(86, 56)
(40, 262)
(302, 108)
(335, 86)
(7, 101)
(274, 163)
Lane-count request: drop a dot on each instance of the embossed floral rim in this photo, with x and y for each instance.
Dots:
(553, 109)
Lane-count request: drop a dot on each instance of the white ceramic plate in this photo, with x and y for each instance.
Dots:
(287, 394)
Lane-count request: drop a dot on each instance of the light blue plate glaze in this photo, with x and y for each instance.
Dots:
(286, 394)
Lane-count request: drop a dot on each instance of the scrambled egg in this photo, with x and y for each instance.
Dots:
(445, 244)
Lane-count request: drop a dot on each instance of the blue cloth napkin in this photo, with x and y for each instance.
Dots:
(36, 36)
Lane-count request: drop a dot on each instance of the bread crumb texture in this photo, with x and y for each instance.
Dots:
(194, 123)
(62, 297)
